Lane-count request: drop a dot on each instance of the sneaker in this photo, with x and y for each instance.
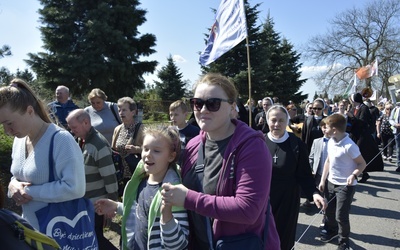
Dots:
(389, 159)
(384, 157)
(344, 246)
(328, 236)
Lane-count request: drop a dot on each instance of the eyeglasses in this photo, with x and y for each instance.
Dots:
(212, 104)
(316, 108)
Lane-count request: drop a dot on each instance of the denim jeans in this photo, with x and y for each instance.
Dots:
(338, 210)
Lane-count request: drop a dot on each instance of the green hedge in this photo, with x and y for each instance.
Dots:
(5, 149)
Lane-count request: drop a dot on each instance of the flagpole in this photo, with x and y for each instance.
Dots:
(249, 79)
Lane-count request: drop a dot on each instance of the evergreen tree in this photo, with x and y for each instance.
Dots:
(93, 44)
(6, 76)
(268, 47)
(5, 51)
(170, 87)
(287, 74)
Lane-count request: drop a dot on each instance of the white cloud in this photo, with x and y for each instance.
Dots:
(178, 59)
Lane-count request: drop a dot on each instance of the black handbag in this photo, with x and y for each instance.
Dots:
(132, 160)
(119, 167)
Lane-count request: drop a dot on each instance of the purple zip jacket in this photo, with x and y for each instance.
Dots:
(238, 207)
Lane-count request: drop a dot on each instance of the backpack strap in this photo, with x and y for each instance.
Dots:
(112, 107)
(135, 133)
(199, 169)
(137, 126)
(51, 160)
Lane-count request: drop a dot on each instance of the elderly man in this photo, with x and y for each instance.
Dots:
(101, 181)
(260, 119)
(60, 109)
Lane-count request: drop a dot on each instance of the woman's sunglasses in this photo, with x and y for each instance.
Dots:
(317, 108)
(212, 104)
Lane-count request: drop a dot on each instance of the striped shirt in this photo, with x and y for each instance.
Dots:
(101, 181)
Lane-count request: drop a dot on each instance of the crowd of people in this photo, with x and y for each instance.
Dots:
(200, 182)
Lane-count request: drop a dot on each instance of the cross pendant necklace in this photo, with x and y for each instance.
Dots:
(276, 155)
(275, 158)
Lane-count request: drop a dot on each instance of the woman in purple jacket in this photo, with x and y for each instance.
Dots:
(226, 191)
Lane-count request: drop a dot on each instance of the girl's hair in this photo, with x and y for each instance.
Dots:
(97, 93)
(18, 96)
(222, 81)
(280, 108)
(170, 133)
(128, 100)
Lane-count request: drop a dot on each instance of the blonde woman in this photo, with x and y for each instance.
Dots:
(103, 114)
(385, 132)
(23, 116)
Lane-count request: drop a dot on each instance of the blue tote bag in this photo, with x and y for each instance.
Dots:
(70, 223)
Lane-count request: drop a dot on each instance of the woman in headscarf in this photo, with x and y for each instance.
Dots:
(311, 129)
(290, 171)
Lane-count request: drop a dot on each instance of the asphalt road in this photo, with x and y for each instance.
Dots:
(374, 216)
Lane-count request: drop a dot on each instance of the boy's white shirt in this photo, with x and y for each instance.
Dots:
(340, 163)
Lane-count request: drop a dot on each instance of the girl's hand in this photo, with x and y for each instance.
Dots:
(106, 207)
(174, 194)
(166, 213)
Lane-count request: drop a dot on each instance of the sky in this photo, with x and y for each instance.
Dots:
(180, 27)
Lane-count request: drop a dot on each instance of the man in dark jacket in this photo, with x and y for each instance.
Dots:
(60, 109)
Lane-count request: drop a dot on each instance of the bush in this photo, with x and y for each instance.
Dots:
(5, 149)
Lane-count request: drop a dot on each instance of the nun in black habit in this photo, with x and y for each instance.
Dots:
(362, 127)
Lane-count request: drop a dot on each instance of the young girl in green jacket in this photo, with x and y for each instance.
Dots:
(147, 223)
